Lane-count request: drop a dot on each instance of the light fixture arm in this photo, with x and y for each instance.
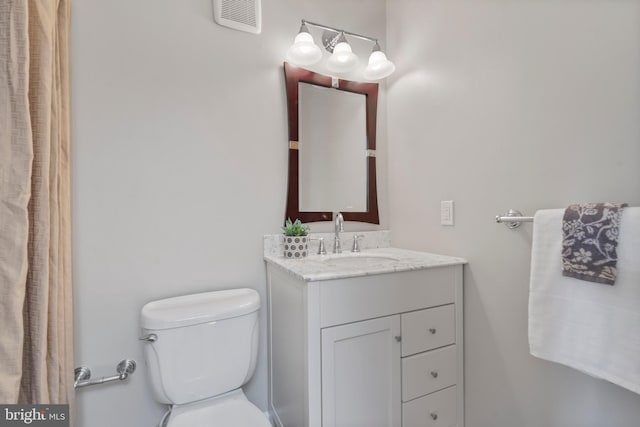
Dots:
(337, 30)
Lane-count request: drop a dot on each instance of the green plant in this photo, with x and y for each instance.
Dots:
(295, 228)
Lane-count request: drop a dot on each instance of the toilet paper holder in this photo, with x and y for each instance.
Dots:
(82, 374)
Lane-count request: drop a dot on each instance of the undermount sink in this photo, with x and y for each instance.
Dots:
(356, 260)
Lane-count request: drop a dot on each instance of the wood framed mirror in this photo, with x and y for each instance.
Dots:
(332, 157)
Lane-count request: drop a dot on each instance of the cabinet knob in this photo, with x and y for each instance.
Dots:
(434, 416)
(433, 331)
(398, 338)
(434, 374)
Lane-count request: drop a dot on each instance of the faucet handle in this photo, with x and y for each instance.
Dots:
(356, 246)
(321, 249)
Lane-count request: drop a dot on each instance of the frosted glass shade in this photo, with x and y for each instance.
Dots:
(379, 66)
(343, 59)
(304, 51)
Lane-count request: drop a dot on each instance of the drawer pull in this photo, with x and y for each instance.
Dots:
(434, 416)
(434, 374)
(432, 330)
(398, 338)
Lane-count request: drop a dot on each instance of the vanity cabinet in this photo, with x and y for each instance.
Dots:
(357, 390)
(380, 350)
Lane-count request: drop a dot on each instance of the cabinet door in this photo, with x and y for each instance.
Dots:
(361, 374)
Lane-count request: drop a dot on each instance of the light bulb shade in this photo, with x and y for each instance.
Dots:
(379, 66)
(304, 51)
(343, 59)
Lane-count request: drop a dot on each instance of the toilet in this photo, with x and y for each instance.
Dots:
(200, 350)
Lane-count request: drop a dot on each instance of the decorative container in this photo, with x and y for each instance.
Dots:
(296, 246)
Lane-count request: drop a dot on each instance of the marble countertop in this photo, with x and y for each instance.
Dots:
(368, 262)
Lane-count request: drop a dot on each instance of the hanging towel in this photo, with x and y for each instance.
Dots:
(590, 241)
(587, 326)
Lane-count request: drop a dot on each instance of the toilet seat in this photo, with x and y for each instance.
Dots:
(229, 410)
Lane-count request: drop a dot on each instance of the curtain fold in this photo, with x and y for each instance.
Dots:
(16, 155)
(36, 343)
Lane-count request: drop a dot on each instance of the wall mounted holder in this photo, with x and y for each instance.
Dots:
(82, 374)
(513, 218)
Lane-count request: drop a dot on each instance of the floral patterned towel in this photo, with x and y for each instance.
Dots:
(589, 241)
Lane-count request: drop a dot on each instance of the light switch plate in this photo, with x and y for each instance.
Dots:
(446, 212)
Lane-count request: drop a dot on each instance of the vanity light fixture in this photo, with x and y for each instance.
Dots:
(304, 51)
(379, 66)
(342, 60)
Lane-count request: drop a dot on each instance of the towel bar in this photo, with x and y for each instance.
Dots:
(513, 218)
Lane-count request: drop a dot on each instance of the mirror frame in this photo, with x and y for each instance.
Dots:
(295, 75)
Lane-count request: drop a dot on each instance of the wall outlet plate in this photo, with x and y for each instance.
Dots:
(446, 212)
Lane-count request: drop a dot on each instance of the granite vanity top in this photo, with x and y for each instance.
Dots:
(368, 262)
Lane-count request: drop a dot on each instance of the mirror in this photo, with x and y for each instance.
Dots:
(333, 139)
(332, 142)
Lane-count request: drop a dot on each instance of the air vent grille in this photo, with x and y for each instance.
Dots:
(243, 11)
(244, 15)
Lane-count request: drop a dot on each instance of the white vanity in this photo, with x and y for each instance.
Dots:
(367, 339)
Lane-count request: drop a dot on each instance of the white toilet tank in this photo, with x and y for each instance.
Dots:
(206, 344)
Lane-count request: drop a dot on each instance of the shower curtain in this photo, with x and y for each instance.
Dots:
(36, 333)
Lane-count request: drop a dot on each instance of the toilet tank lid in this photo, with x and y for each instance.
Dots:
(194, 309)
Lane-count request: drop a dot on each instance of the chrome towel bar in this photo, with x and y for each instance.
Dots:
(513, 218)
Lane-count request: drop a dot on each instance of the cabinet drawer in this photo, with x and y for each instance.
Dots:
(427, 372)
(357, 298)
(435, 410)
(428, 329)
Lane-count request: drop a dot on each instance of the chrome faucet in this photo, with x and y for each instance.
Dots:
(338, 222)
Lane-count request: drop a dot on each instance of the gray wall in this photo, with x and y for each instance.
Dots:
(179, 169)
(179, 132)
(512, 104)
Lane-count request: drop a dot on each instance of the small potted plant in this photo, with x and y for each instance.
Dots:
(296, 241)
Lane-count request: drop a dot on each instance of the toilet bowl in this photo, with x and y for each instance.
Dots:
(229, 410)
(200, 350)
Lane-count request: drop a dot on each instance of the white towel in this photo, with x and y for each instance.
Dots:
(591, 327)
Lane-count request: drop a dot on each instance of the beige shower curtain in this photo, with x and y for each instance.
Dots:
(36, 334)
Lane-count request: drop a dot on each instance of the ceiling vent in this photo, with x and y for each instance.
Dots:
(243, 15)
